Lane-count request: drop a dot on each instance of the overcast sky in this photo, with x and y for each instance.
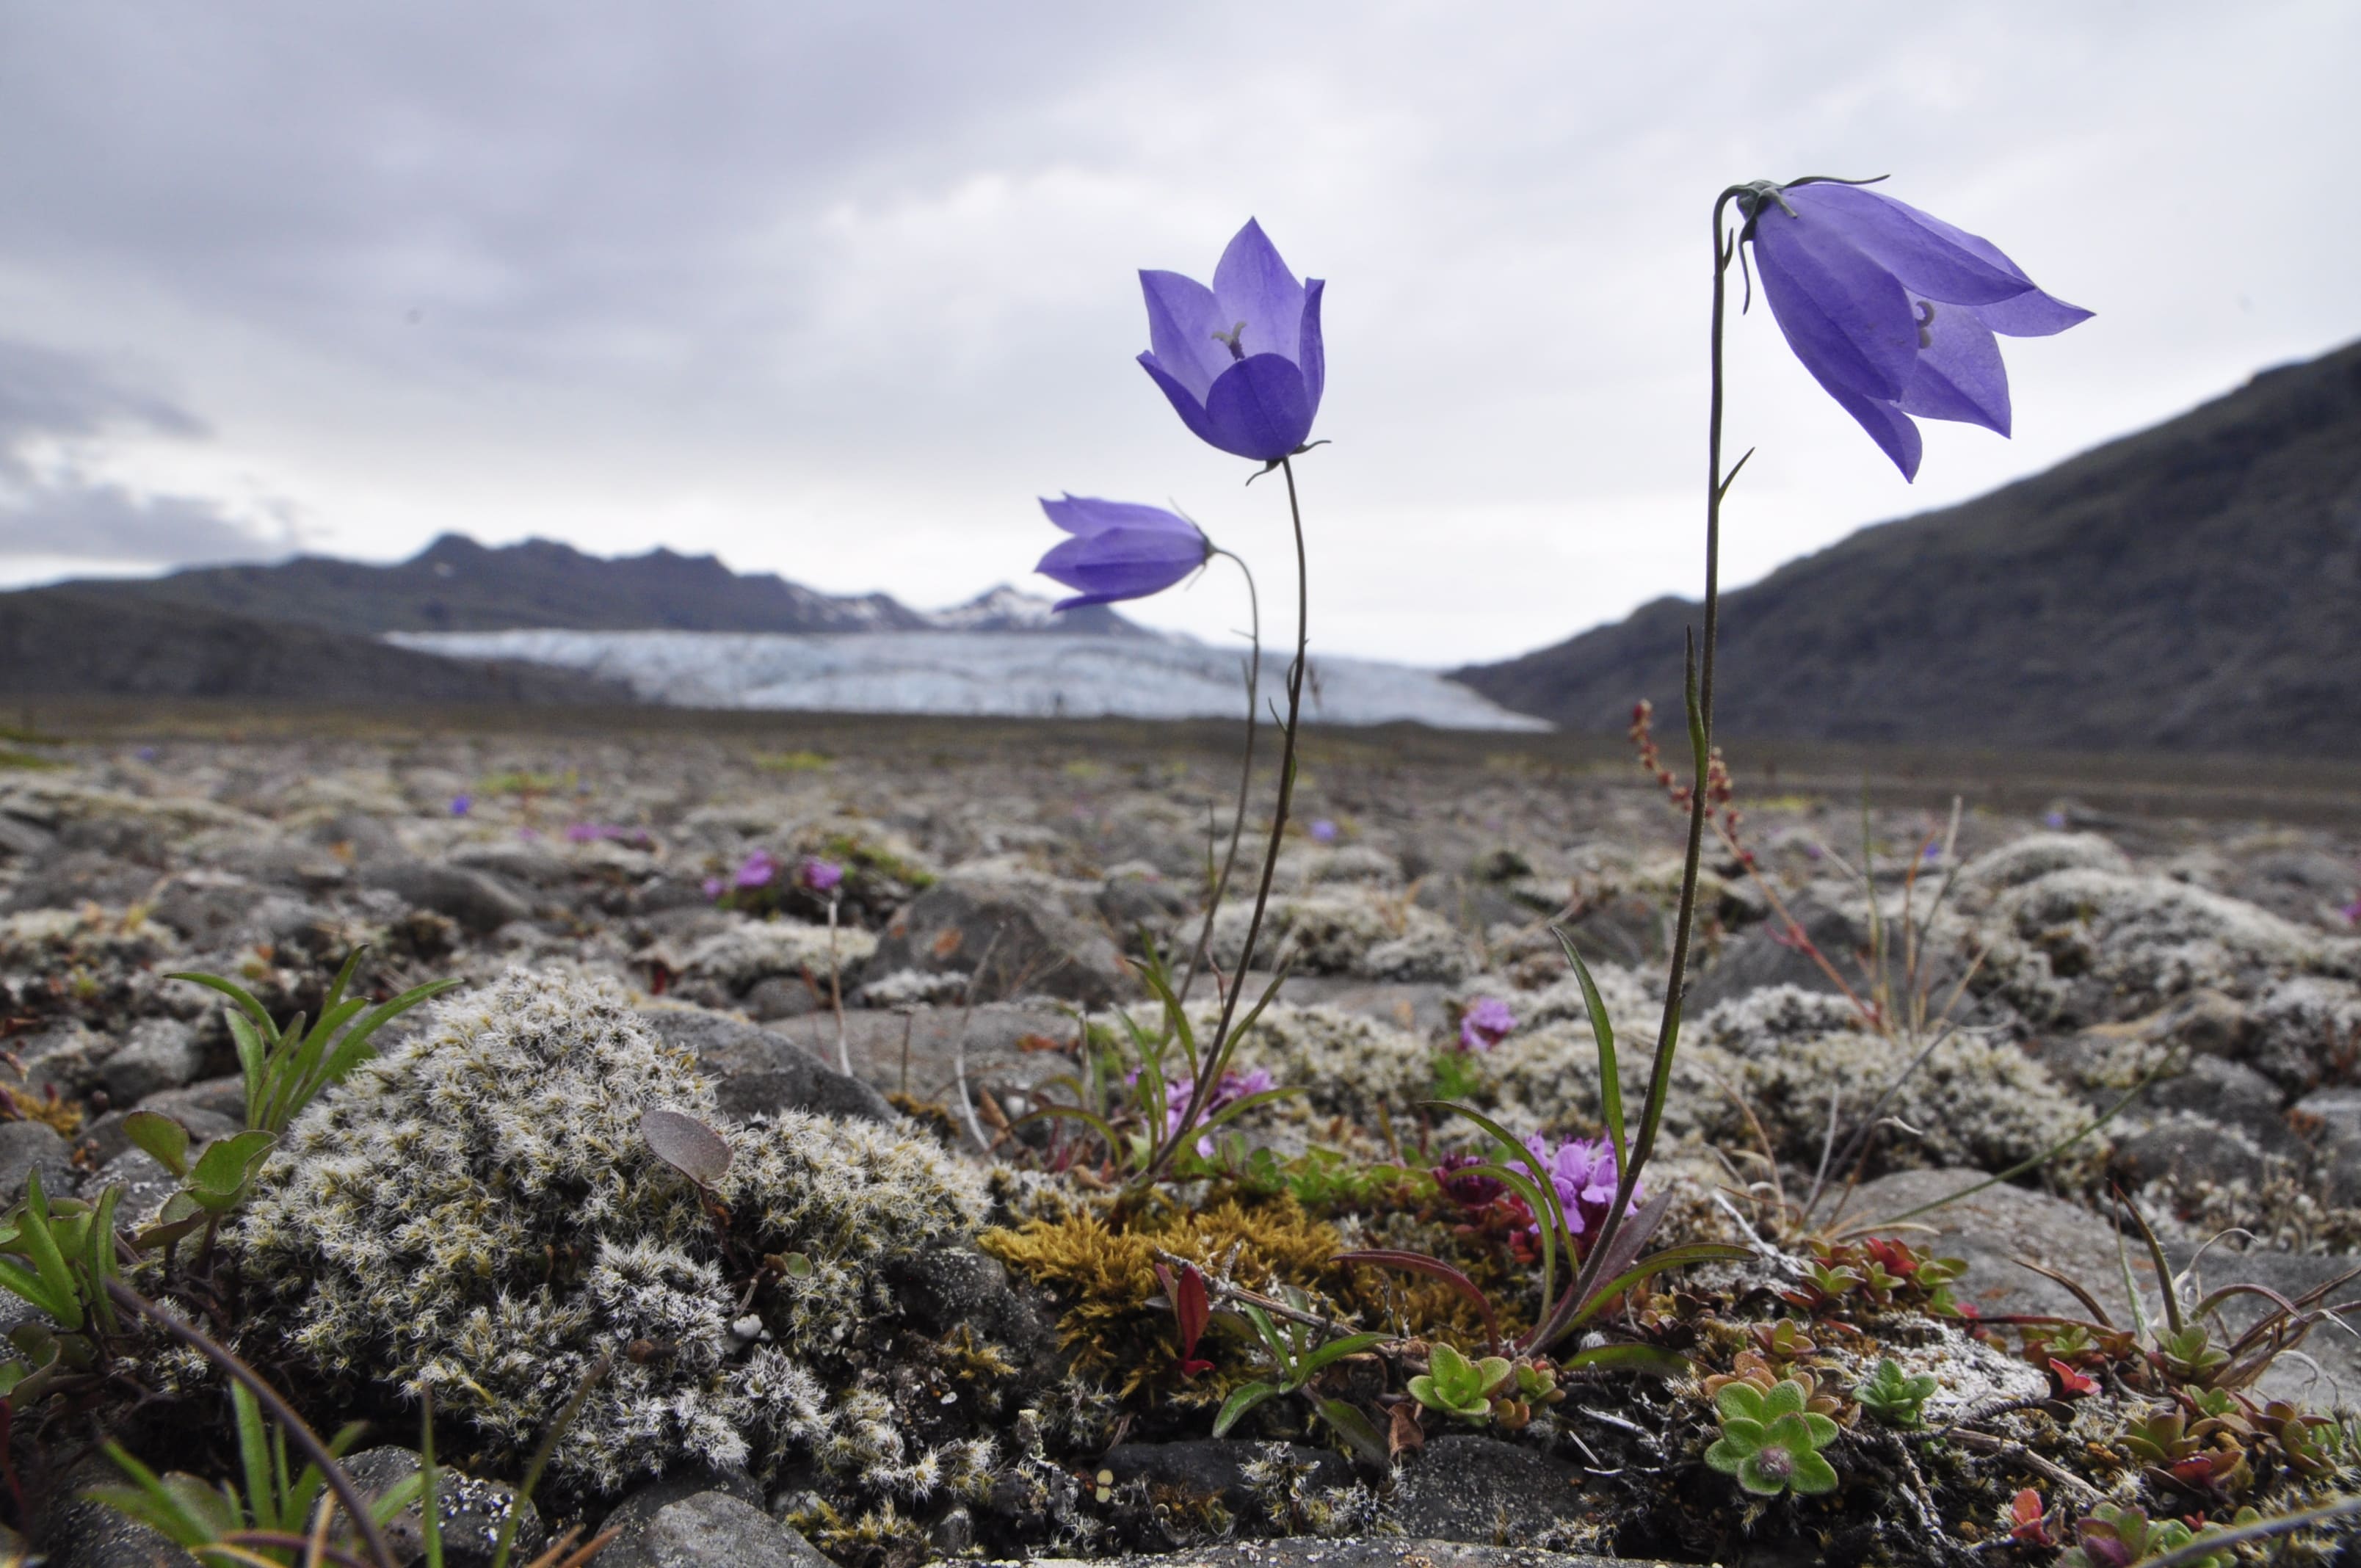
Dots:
(834, 290)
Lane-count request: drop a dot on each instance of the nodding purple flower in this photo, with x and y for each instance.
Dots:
(2055, 821)
(461, 805)
(755, 870)
(1893, 311)
(2352, 912)
(713, 888)
(587, 832)
(822, 876)
(1485, 1025)
(1242, 361)
(1323, 830)
(1120, 549)
(1583, 1172)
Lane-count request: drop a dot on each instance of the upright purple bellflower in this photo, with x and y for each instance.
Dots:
(1891, 309)
(1242, 360)
(1120, 549)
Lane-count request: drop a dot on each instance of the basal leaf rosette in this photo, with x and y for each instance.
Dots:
(1770, 1442)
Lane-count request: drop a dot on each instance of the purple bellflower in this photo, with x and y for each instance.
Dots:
(1120, 549)
(1583, 1172)
(822, 876)
(1241, 361)
(1893, 311)
(1323, 831)
(755, 870)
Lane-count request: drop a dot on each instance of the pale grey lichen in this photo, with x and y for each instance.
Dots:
(478, 1212)
(1347, 1064)
(1358, 932)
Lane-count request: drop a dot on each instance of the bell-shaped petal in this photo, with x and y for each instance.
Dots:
(1241, 363)
(1185, 330)
(1259, 408)
(1120, 549)
(1893, 310)
(1085, 515)
(1847, 318)
(1260, 296)
(1926, 255)
(1960, 375)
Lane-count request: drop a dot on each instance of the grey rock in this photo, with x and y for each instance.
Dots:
(2333, 1116)
(1015, 934)
(1992, 1228)
(2192, 1146)
(222, 1097)
(68, 878)
(1624, 929)
(782, 996)
(1350, 1552)
(101, 1139)
(712, 1527)
(161, 1054)
(28, 1147)
(146, 1185)
(760, 1072)
(2327, 1371)
(286, 863)
(2230, 1093)
(944, 1287)
(1461, 1486)
(1765, 957)
(81, 1533)
(630, 1517)
(64, 1057)
(1422, 1008)
(207, 906)
(478, 900)
(471, 1512)
(22, 838)
(1005, 1044)
(1215, 1467)
(1130, 902)
(2208, 1023)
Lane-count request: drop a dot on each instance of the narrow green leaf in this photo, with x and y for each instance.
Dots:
(1336, 1350)
(1244, 1398)
(98, 1257)
(22, 1281)
(1628, 1357)
(40, 1245)
(235, 992)
(1649, 1268)
(253, 1064)
(254, 1457)
(1603, 1030)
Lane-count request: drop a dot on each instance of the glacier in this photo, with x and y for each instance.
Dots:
(983, 673)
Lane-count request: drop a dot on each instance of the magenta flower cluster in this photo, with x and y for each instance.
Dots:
(1583, 1171)
(1233, 1087)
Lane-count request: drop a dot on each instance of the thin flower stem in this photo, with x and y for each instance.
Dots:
(1717, 486)
(1245, 782)
(1217, 1051)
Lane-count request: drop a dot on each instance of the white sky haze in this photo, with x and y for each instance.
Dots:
(834, 291)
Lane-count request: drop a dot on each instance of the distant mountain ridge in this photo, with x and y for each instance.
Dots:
(2195, 586)
(459, 585)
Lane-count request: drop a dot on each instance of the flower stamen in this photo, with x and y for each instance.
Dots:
(1232, 338)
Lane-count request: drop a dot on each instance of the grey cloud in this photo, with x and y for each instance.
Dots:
(58, 511)
(102, 522)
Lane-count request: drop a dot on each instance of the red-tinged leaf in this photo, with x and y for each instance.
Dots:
(1193, 1308)
(2068, 1384)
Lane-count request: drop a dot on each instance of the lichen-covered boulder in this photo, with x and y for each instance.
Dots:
(479, 1212)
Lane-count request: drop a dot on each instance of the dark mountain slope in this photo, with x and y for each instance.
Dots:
(2196, 587)
(458, 585)
(65, 643)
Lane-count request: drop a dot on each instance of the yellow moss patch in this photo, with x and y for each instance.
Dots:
(64, 1115)
(1107, 1276)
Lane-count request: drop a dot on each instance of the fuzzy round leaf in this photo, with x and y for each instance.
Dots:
(687, 1145)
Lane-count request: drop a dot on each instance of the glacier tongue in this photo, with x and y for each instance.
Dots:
(976, 673)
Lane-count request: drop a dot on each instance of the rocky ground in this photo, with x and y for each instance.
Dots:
(901, 1318)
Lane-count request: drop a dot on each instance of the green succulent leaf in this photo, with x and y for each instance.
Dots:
(161, 1137)
(1813, 1476)
(1738, 1401)
(1244, 1398)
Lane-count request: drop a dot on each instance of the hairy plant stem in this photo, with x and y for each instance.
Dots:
(1245, 781)
(1602, 1246)
(1217, 1051)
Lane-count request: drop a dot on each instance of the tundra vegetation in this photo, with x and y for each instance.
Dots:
(678, 1151)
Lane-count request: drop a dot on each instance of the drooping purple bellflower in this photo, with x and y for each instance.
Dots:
(1486, 1024)
(1241, 361)
(1893, 311)
(1120, 549)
